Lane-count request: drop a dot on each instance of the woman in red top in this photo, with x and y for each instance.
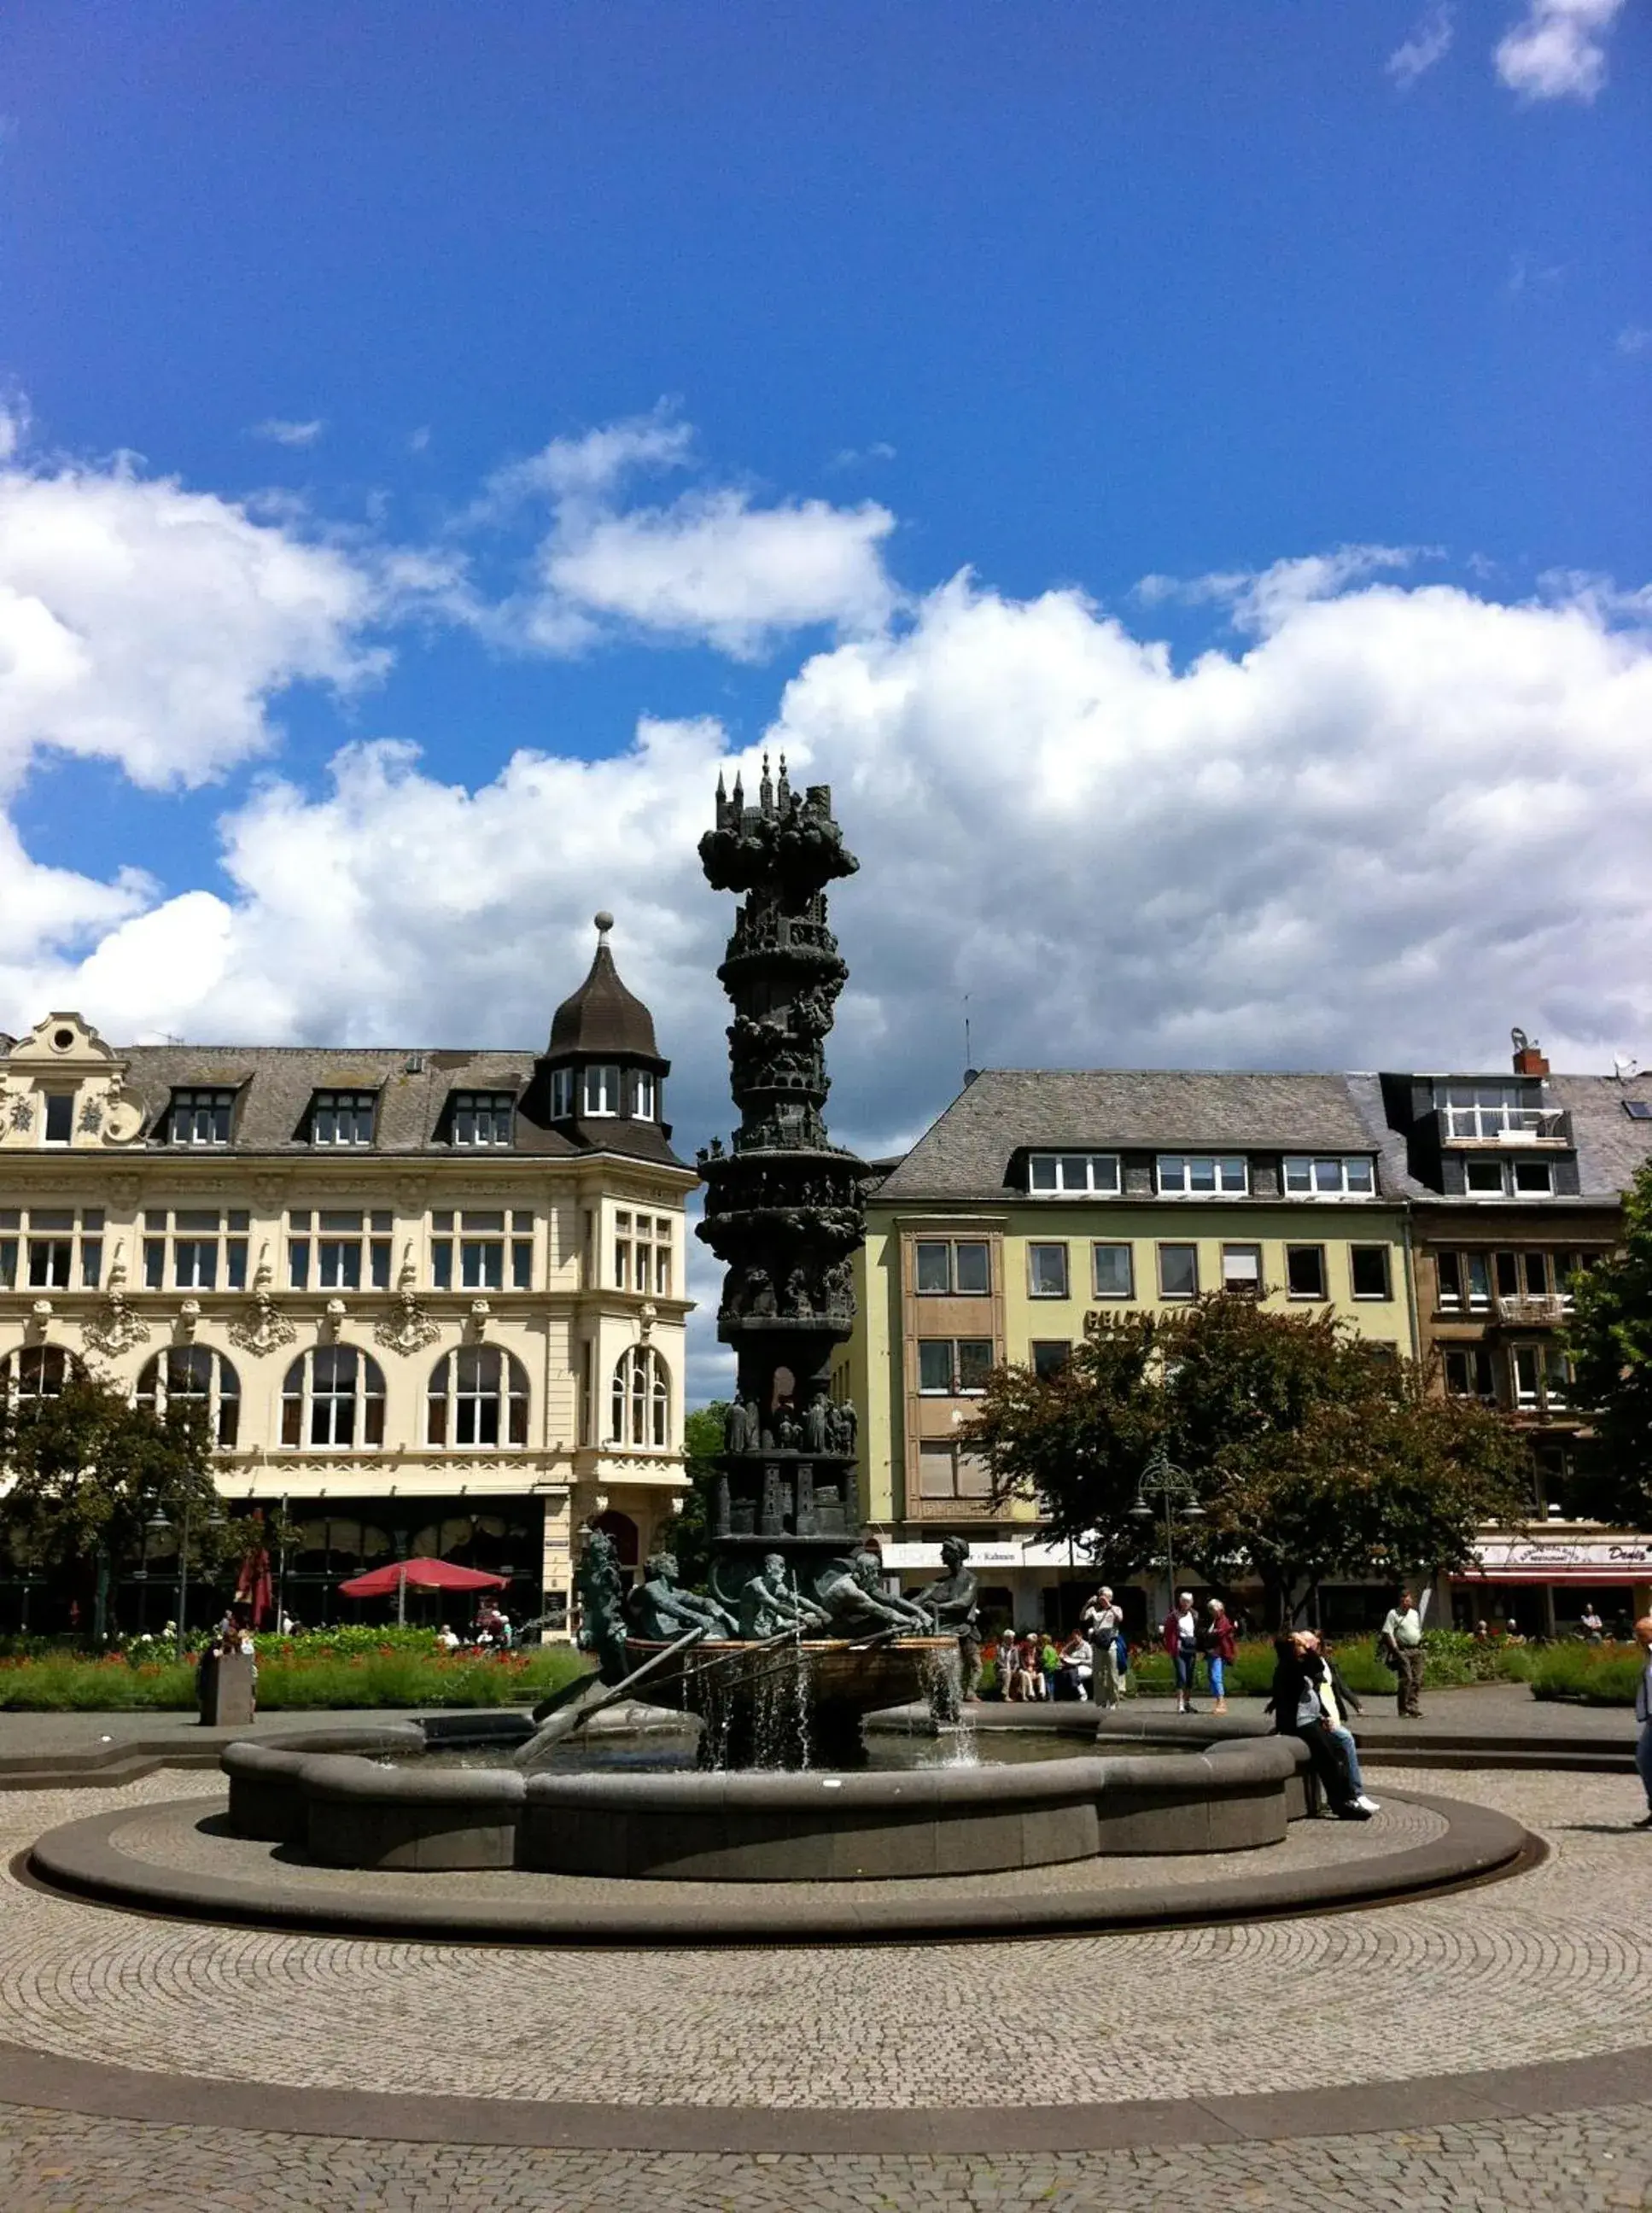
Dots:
(1219, 1646)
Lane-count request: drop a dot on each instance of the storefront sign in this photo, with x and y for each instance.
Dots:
(1556, 1559)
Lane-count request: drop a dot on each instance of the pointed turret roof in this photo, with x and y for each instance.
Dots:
(602, 1016)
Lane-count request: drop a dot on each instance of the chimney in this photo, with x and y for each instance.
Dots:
(1528, 1061)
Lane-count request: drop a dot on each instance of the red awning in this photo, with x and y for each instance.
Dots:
(419, 1575)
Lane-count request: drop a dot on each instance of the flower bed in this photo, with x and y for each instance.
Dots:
(1453, 1659)
(1593, 1674)
(353, 1668)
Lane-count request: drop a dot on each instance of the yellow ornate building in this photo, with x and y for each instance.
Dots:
(432, 1300)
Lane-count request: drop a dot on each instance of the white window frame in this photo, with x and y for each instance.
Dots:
(367, 1392)
(1113, 1245)
(1176, 1245)
(645, 1095)
(1101, 1178)
(1172, 1175)
(1251, 1284)
(1308, 1298)
(1035, 1290)
(153, 1388)
(954, 1386)
(482, 1121)
(462, 1387)
(639, 1396)
(562, 1094)
(200, 1105)
(1385, 1296)
(1328, 1175)
(599, 1092)
(352, 1103)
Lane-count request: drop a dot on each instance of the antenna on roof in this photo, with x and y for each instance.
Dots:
(1623, 1065)
(970, 1070)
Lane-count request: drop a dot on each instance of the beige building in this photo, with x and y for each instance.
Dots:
(1040, 1196)
(432, 1300)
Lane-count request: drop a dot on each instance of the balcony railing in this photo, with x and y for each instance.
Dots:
(1505, 1125)
(1530, 1309)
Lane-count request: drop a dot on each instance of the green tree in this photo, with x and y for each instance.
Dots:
(1610, 1342)
(1309, 1452)
(702, 1442)
(89, 1470)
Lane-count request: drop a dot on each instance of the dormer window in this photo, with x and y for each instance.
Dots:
(645, 1096)
(601, 1089)
(59, 1117)
(1341, 1176)
(483, 1118)
(1202, 1175)
(1081, 1175)
(561, 1093)
(342, 1117)
(200, 1117)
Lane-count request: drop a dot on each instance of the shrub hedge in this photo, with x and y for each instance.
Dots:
(295, 1675)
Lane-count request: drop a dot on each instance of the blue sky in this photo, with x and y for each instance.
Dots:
(919, 336)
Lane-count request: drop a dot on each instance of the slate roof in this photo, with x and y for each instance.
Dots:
(1610, 1145)
(602, 1016)
(967, 1153)
(274, 1084)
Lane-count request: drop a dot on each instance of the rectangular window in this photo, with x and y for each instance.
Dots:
(483, 1118)
(1047, 1272)
(1348, 1175)
(342, 1117)
(943, 1472)
(1241, 1270)
(1368, 1269)
(1506, 1269)
(1179, 1271)
(1202, 1175)
(1111, 1273)
(59, 1117)
(561, 1093)
(643, 1096)
(442, 1263)
(481, 1264)
(1468, 1371)
(602, 1090)
(51, 1263)
(1483, 1179)
(521, 1265)
(8, 1263)
(1533, 1178)
(1050, 1356)
(1305, 1270)
(1478, 1271)
(195, 1263)
(91, 1263)
(154, 1263)
(1073, 1175)
(952, 1367)
(944, 1270)
(200, 1117)
(1449, 1268)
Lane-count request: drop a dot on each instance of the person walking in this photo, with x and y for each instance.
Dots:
(1401, 1643)
(1643, 1716)
(1102, 1621)
(1220, 1643)
(1181, 1642)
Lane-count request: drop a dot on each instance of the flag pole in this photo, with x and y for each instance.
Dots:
(401, 1595)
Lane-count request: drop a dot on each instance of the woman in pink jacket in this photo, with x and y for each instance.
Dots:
(1219, 1647)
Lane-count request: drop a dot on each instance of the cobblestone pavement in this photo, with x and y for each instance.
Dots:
(1553, 1965)
(1585, 2162)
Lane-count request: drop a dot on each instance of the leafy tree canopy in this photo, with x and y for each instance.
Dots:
(1309, 1452)
(1610, 1341)
(702, 1442)
(89, 1471)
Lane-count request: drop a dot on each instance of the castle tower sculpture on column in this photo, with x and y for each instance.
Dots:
(783, 1208)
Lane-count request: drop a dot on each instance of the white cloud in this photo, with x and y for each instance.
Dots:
(276, 431)
(149, 626)
(1635, 338)
(1427, 43)
(1557, 49)
(590, 466)
(713, 566)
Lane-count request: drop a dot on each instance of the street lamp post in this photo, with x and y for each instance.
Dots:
(1178, 1497)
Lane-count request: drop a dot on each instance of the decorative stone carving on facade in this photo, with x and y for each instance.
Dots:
(39, 1317)
(91, 1117)
(409, 1329)
(333, 1319)
(189, 1316)
(481, 1314)
(263, 1327)
(114, 1328)
(20, 1114)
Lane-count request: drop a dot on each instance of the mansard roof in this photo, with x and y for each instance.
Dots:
(967, 1153)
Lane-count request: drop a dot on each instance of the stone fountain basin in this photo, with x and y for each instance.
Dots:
(338, 1807)
(854, 1679)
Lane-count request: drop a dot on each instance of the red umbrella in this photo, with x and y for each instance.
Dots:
(422, 1575)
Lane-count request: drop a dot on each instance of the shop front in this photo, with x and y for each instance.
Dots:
(1543, 1585)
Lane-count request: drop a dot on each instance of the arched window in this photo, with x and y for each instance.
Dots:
(37, 1371)
(627, 1539)
(641, 1412)
(333, 1395)
(477, 1396)
(194, 1375)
